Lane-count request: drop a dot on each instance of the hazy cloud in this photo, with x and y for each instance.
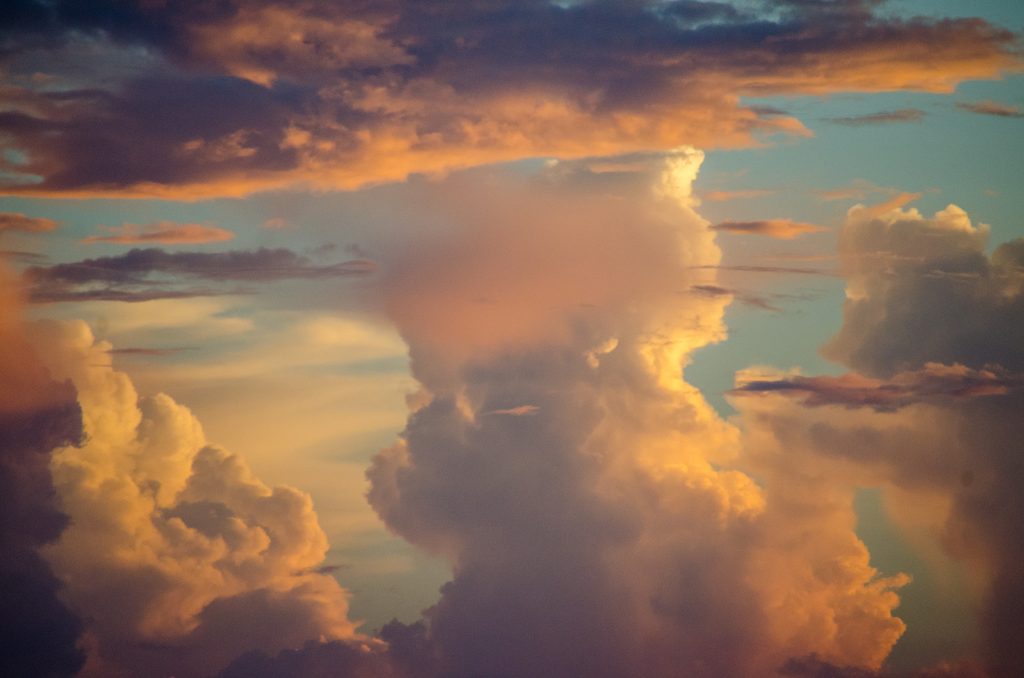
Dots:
(991, 108)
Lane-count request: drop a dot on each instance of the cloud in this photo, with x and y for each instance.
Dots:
(163, 232)
(38, 633)
(880, 118)
(932, 325)
(991, 108)
(721, 196)
(347, 95)
(176, 555)
(784, 229)
(146, 274)
(610, 532)
(934, 382)
(518, 411)
(922, 289)
(16, 221)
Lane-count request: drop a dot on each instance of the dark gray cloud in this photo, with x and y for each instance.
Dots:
(146, 274)
(38, 634)
(926, 291)
(408, 655)
(933, 383)
(880, 118)
(991, 108)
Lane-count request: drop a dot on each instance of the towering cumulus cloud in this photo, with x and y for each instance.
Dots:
(38, 634)
(178, 558)
(936, 325)
(601, 532)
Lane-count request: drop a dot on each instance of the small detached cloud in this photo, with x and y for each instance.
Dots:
(162, 232)
(518, 411)
(16, 221)
(784, 229)
(721, 196)
(880, 118)
(988, 107)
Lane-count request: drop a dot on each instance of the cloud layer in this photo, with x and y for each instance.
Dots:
(257, 95)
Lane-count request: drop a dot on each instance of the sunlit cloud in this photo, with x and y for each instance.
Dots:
(16, 221)
(163, 232)
(348, 96)
(783, 229)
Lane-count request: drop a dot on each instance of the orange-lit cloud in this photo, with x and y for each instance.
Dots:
(933, 326)
(721, 196)
(162, 232)
(172, 541)
(621, 472)
(339, 96)
(16, 221)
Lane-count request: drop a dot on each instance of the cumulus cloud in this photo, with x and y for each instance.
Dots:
(784, 229)
(609, 533)
(38, 633)
(163, 232)
(177, 557)
(922, 289)
(16, 221)
(344, 94)
(146, 274)
(933, 326)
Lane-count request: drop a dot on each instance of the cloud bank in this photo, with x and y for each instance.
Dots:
(258, 95)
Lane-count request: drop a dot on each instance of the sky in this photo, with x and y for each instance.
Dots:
(432, 339)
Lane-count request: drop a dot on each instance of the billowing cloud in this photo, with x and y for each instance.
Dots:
(784, 229)
(933, 327)
(146, 274)
(880, 118)
(991, 108)
(162, 232)
(16, 221)
(38, 633)
(177, 557)
(923, 290)
(254, 96)
(609, 533)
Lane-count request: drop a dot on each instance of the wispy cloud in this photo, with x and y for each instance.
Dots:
(16, 221)
(880, 118)
(988, 107)
(161, 232)
(783, 229)
(744, 194)
(146, 274)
